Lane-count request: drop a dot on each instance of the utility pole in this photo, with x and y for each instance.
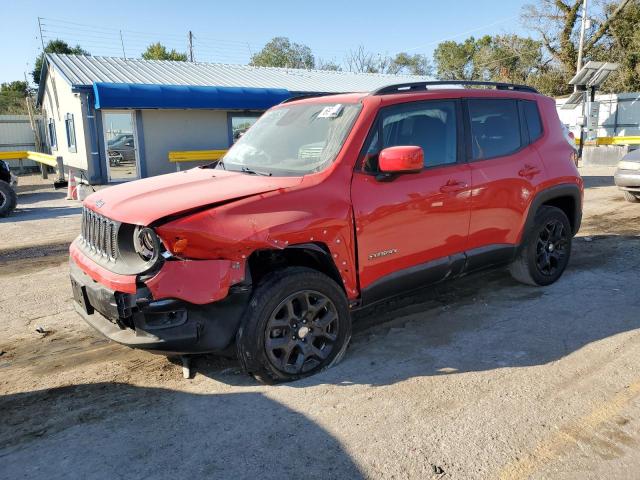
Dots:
(582, 30)
(190, 46)
(122, 43)
(40, 28)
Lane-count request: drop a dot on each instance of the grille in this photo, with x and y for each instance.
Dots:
(100, 234)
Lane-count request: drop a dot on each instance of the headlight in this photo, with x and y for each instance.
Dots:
(146, 243)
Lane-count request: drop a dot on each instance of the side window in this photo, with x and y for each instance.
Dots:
(51, 128)
(532, 117)
(429, 125)
(495, 128)
(71, 131)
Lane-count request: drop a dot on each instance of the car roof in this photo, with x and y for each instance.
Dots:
(431, 93)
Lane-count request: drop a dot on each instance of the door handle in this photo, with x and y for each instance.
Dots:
(453, 186)
(529, 171)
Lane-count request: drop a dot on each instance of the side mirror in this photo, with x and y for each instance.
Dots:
(403, 159)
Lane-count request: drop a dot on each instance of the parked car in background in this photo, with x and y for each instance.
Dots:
(327, 205)
(121, 149)
(627, 176)
(8, 196)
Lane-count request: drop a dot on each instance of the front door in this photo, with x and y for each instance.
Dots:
(121, 145)
(412, 229)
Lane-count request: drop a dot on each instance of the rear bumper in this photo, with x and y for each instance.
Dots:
(627, 179)
(167, 325)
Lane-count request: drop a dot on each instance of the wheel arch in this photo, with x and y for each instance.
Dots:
(311, 255)
(566, 197)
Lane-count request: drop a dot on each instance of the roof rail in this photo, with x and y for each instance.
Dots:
(306, 95)
(422, 86)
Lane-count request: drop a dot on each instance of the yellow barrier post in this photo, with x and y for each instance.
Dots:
(179, 157)
(43, 159)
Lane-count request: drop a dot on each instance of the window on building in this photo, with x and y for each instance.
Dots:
(495, 128)
(71, 132)
(239, 123)
(51, 130)
(532, 117)
(429, 125)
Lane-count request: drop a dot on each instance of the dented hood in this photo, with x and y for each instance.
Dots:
(143, 201)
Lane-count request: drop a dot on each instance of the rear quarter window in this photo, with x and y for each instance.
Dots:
(532, 118)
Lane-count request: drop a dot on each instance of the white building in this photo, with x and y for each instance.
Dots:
(116, 119)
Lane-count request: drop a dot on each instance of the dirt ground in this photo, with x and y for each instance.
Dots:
(479, 378)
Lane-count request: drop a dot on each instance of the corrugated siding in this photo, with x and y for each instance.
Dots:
(81, 70)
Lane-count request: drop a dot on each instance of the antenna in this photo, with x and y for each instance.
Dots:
(190, 46)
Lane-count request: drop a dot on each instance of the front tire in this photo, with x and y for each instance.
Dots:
(546, 250)
(296, 324)
(8, 199)
(631, 197)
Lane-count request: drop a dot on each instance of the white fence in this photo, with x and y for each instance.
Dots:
(16, 134)
(619, 115)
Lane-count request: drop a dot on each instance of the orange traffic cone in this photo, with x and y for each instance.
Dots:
(72, 187)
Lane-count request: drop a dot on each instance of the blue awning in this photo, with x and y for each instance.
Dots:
(128, 95)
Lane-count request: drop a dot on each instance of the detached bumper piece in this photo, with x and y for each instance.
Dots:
(167, 326)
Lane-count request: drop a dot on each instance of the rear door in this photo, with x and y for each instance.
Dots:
(409, 228)
(505, 173)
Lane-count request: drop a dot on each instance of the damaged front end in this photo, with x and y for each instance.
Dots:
(131, 289)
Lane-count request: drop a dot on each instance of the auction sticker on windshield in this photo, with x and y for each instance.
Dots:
(332, 111)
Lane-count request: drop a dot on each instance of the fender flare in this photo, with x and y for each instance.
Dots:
(322, 256)
(563, 190)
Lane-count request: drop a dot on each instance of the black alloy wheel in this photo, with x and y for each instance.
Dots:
(551, 248)
(545, 250)
(296, 324)
(301, 332)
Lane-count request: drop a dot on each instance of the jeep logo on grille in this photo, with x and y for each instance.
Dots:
(99, 203)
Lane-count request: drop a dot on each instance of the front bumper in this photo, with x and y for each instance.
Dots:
(627, 179)
(14, 181)
(168, 326)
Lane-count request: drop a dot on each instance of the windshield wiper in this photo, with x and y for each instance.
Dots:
(253, 172)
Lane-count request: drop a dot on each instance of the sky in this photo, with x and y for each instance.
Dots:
(230, 31)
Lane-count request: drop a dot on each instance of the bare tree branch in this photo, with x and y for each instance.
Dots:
(604, 27)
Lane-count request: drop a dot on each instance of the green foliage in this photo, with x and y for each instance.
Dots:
(613, 36)
(328, 66)
(54, 46)
(157, 51)
(410, 64)
(503, 58)
(12, 97)
(280, 52)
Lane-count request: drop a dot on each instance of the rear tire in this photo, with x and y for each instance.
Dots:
(546, 249)
(296, 324)
(8, 199)
(631, 197)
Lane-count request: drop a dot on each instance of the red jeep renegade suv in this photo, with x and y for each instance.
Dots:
(325, 205)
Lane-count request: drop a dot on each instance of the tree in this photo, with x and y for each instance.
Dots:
(157, 51)
(55, 46)
(330, 65)
(281, 52)
(456, 61)
(362, 61)
(558, 24)
(12, 97)
(622, 45)
(416, 64)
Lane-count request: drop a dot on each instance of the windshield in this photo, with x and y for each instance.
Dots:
(292, 140)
